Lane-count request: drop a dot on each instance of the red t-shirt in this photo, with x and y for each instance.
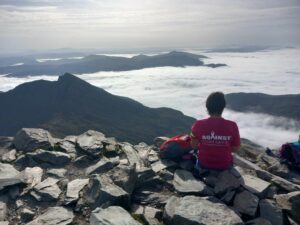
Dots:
(217, 137)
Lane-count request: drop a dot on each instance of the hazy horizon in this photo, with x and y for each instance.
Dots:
(160, 24)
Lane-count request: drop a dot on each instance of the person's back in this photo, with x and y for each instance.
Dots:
(215, 137)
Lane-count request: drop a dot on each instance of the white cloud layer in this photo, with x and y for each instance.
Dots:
(186, 89)
(156, 23)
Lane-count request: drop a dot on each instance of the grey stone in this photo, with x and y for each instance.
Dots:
(3, 211)
(244, 163)
(291, 203)
(185, 183)
(124, 176)
(4, 223)
(102, 192)
(102, 166)
(270, 212)
(284, 184)
(91, 142)
(67, 147)
(144, 174)
(54, 216)
(51, 157)
(113, 215)
(162, 164)
(83, 161)
(246, 203)
(159, 140)
(32, 175)
(26, 215)
(9, 176)
(14, 192)
(255, 185)
(132, 156)
(279, 169)
(258, 221)
(228, 197)
(9, 156)
(30, 139)
(226, 181)
(192, 210)
(73, 189)
(57, 173)
(47, 190)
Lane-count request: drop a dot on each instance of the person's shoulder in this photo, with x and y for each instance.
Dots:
(230, 122)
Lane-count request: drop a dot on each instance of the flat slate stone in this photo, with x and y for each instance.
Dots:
(193, 210)
(102, 166)
(73, 189)
(47, 190)
(185, 183)
(255, 185)
(113, 215)
(9, 176)
(32, 175)
(162, 164)
(54, 216)
(52, 157)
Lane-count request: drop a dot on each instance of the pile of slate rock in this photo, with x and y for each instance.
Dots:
(93, 179)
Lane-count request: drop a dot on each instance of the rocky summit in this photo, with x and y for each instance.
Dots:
(95, 179)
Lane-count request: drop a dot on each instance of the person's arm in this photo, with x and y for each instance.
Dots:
(194, 141)
(236, 143)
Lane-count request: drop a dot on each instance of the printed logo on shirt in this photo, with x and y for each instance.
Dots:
(214, 139)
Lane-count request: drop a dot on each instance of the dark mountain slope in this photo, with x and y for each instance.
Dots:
(95, 63)
(276, 105)
(72, 106)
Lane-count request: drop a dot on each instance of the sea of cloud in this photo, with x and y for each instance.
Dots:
(273, 72)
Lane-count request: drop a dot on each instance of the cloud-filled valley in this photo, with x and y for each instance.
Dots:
(272, 72)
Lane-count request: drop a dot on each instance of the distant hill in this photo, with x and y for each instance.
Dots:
(95, 63)
(276, 105)
(71, 106)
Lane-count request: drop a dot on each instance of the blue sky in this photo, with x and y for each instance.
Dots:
(120, 24)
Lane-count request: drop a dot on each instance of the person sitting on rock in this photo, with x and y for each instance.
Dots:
(215, 137)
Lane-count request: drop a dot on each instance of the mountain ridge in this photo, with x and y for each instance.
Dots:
(97, 63)
(71, 106)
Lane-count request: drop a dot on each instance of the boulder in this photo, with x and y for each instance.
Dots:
(255, 185)
(186, 184)
(102, 192)
(3, 211)
(124, 176)
(132, 156)
(113, 215)
(32, 176)
(54, 158)
(291, 203)
(102, 166)
(26, 215)
(30, 139)
(279, 169)
(225, 182)
(47, 190)
(269, 211)
(91, 142)
(9, 156)
(192, 210)
(57, 173)
(73, 189)
(9, 176)
(162, 164)
(159, 140)
(54, 216)
(246, 203)
(258, 221)
(67, 147)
